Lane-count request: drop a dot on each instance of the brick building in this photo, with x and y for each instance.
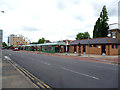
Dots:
(115, 33)
(99, 46)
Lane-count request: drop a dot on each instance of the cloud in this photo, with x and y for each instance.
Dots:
(113, 12)
(80, 18)
(61, 5)
(97, 8)
(52, 19)
(76, 1)
(71, 36)
(119, 13)
(8, 4)
(25, 28)
(111, 7)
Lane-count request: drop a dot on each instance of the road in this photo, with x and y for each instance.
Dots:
(59, 72)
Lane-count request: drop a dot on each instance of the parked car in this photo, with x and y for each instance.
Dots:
(3, 48)
(15, 49)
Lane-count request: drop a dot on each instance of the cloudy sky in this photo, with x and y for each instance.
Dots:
(53, 19)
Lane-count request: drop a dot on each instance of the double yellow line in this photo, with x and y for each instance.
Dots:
(34, 79)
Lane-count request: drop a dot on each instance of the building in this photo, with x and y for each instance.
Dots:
(99, 46)
(17, 40)
(1, 36)
(115, 33)
(45, 47)
(66, 47)
(47, 41)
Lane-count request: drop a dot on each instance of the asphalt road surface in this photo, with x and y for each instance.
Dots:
(60, 72)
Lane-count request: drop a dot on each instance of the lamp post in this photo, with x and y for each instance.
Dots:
(1, 38)
(66, 46)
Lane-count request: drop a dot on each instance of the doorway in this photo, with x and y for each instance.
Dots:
(84, 49)
(75, 49)
(103, 49)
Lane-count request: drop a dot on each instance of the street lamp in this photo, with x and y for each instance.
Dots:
(66, 45)
(1, 37)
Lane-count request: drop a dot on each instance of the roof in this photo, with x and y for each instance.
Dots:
(44, 44)
(115, 29)
(96, 41)
(114, 26)
(53, 43)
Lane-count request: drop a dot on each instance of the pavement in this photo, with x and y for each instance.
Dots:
(0, 72)
(104, 58)
(13, 78)
(67, 72)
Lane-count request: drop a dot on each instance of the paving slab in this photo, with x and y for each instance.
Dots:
(13, 78)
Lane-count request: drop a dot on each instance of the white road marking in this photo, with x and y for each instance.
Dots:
(6, 57)
(81, 73)
(45, 63)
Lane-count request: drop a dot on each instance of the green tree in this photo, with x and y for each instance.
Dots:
(34, 43)
(97, 29)
(11, 45)
(42, 40)
(101, 26)
(4, 44)
(84, 35)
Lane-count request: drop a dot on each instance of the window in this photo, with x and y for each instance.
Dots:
(90, 45)
(113, 34)
(112, 46)
(116, 46)
(94, 45)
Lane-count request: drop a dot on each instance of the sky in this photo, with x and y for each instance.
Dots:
(53, 19)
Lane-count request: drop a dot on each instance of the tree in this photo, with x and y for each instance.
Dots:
(4, 44)
(101, 26)
(34, 43)
(84, 35)
(11, 45)
(41, 40)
